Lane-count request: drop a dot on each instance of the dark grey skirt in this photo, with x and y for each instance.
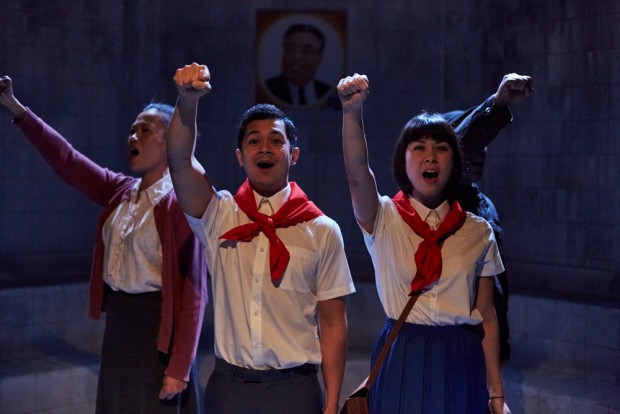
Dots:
(132, 369)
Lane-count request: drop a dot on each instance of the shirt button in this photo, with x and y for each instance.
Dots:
(433, 295)
(262, 249)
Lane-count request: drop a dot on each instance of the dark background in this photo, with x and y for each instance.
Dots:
(88, 68)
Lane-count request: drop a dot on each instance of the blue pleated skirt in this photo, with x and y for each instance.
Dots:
(430, 370)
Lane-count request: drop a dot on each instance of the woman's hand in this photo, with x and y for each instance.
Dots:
(171, 388)
(8, 99)
(498, 406)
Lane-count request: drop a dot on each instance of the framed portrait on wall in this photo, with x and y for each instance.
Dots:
(300, 57)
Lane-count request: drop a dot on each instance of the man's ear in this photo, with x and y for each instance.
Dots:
(239, 158)
(294, 155)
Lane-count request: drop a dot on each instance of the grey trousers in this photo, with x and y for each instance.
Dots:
(232, 389)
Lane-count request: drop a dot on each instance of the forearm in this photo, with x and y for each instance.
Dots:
(361, 180)
(17, 109)
(333, 339)
(490, 346)
(482, 124)
(181, 134)
(191, 184)
(491, 121)
(193, 298)
(333, 349)
(490, 341)
(185, 342)
(70, 165)
(354, 145)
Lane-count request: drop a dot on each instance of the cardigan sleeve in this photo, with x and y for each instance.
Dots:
(73, 167)
(185, 271)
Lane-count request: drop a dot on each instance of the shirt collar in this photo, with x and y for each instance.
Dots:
(276, 200)
(157, 190)
(422, 210)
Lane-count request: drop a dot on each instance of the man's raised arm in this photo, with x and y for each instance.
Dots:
(191, 184)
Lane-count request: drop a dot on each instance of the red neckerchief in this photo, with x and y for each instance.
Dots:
(428, 256)
(295, 210)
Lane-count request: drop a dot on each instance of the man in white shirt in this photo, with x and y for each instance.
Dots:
(278, 267)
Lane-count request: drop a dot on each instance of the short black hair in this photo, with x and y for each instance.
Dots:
(267, 111)
(435, 126)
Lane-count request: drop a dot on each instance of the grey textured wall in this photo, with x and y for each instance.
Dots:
(553, 174)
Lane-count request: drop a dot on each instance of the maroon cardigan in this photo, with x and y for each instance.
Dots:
(184, 285)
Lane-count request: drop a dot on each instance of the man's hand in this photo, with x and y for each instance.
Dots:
(353, 91)
(193, 81)
(513, 88)
(171, 388)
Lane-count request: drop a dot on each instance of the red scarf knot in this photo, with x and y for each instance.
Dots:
(428, 255)
(297, 209)
(269, 226)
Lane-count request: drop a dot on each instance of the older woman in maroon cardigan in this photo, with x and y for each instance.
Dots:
(148, 271)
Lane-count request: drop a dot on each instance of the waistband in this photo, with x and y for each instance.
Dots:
(436, 330)
(121, 293)
(268, 375)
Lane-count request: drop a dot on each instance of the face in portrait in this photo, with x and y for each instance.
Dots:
(302, 53)
(300, 56)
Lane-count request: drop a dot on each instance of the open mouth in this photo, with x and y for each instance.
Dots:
(430, 174)
(265, 164)
(133, 152)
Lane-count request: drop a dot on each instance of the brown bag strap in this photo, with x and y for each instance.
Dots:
(374, 372)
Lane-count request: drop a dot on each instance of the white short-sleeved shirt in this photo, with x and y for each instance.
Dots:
(470, 252)
(257, 325)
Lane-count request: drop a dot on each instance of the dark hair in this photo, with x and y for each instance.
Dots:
(266, 111)
(165, 111)
(435, 126)
(306, 28)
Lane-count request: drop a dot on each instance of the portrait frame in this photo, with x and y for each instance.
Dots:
(270, 28)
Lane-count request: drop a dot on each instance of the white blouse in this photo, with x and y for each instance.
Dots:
(469, 253)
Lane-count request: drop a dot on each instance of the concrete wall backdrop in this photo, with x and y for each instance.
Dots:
(89, 67)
